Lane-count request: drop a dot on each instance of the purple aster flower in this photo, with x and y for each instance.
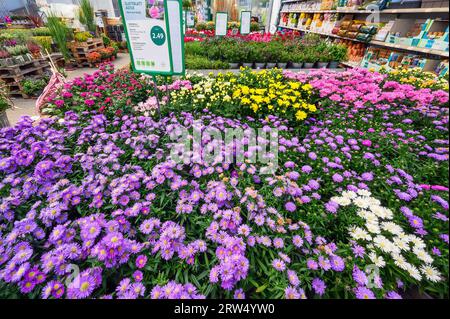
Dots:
(278, 264)
(319, 286)
(141, 261)
(290, 207)
(239, 294)
(364, 293)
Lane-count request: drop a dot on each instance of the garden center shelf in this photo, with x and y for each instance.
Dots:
(380, 43)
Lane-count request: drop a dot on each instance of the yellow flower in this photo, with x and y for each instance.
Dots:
(300, 115)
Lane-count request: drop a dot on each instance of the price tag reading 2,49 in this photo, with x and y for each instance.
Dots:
(158, 36)
(154, 35)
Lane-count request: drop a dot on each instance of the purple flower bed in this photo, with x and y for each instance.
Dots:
(96, 207)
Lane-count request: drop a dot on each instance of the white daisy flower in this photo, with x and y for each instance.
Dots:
(391, 227)
(361, 202)
(373, 201)
(342, 201)
(414, 272)
(422, 255)
(349, 194)
(418, 242)
(373, 228)
(401, 244)
(364, 192)
(377, 260)
(400, 261)
(431, 273)
(359, 233)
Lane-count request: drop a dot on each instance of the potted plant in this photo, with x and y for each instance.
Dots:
(233, 56)
(247, 56)
(338, 53)
(271, 50)
(283, 58)
(94, 57)
(297, 59)
(258, 57)
(34, 49)
(5, 103)
(310, 58)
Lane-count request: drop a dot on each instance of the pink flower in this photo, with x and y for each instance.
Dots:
(367, 143)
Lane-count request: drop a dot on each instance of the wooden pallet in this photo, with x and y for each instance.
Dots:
(14, 75)
(80, 50)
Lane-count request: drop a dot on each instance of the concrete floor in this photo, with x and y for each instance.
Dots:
(27, 106)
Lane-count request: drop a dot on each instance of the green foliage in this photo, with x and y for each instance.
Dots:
(59, 32)
(86, 15)
(82, 36)
(5, 102)
(195, 62)
(41, 32)
(17, 50)
(106, 40)
(45, 42)
(34, 87)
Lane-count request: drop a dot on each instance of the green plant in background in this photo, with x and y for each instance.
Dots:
(59, 32)
(116, 47)
(45, 42)
(337, 52)
(86, 15)
(187, 4)
(41, 32)
(196, 62)
(254, 26)
(17, 50)
(106, 40)
(5, 102)
(20, 35)
(33, 87)
(82, 36)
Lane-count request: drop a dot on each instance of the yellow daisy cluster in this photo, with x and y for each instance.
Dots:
(277, 98)
(263, 93)
(418, 78)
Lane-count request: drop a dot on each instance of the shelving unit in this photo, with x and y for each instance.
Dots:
(380, 43)
(429, 49)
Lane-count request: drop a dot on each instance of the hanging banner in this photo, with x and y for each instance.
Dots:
(246, 17)
(221, 24)
(190, 19)
(149, 28)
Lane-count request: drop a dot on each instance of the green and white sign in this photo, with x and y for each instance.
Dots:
(221, 24)
(246, 17)
(154, 33)
(190, 19)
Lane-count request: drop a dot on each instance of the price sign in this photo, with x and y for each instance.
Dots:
(154, 32)
(246, 17)
(221, 25)
(190, 19)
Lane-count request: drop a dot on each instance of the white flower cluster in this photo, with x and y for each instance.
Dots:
(381, 234)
